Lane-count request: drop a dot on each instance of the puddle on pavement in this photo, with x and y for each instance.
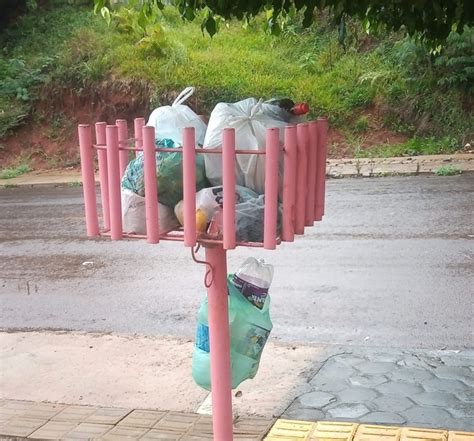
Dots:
(50, 266)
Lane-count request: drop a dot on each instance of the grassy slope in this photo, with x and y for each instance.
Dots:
(360, 90)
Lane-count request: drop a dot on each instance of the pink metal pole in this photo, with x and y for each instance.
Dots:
(138, 125)
(122, 137)
(114, 182)
(228, 173)
(219, 340)
(301, 180)
(151, 185)
(311, 186)
(189, 186)
(103, 174)
(88, 179)
(322, 124)
(272, 150)
(289, 184)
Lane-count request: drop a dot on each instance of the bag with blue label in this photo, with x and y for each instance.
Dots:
(249, 322)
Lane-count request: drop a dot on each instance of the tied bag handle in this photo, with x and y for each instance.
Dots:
(183, 96)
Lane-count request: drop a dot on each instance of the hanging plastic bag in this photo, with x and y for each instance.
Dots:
(249, 322)
(134, 214)
(169, 121)
(250, 119)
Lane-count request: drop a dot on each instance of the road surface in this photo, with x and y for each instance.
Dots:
(391, 265)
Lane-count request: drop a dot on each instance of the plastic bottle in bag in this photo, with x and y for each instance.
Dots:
(288, 108)
(249, 321)
(251, 328)
(253, 280)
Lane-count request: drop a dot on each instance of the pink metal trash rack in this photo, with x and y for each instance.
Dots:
(302, 200)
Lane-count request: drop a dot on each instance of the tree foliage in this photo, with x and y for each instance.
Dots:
(430, 20)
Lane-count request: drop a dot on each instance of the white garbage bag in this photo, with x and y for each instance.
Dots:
(250, 119)
(134, 214)
(169, 121)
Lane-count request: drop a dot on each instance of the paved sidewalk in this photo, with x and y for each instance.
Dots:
(413, 165)
(286, 430)
(26, 420)
(30, 420)
(388, 386)
(336, 168)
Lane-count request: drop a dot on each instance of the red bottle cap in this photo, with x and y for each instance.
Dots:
(300, 109)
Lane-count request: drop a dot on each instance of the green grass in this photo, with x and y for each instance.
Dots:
(447, 170)
(362, 124)
(83, 54)
(412, 147)
(10, 173)
(31, 57)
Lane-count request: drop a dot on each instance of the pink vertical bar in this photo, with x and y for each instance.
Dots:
(111, 134)
(103, 174)
(151, 185)
(316, 182)
(228, 172)
(189, 186)
(322, 124)
(311, 177)
(289, 184)
(272, 151)
(122, 137)
(301, 180)
(88, 179)
(138, 125)
(219, 340)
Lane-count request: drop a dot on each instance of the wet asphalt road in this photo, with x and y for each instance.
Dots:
(391, 265)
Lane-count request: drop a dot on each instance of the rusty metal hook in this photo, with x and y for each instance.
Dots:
(210, 270)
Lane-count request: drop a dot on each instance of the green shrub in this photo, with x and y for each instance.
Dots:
(415, 92)
(455, 65)
(10, 173)
(448, 170)
(362, 124)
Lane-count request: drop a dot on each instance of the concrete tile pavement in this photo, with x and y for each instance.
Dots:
(391, 386)
(288, 430)
(29, 420)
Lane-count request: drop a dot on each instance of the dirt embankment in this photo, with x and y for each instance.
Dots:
(48, 140)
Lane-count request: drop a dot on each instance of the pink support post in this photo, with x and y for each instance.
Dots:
(103, 174)
(272, 152)
(114, 182)
(219, 340)
(228, 173)
(289, 184)
(311, 186)
(88, 179)
(322, 124)
(151, 185)
(138, 125)
(189, 186)
(301, 180)
(123, 138)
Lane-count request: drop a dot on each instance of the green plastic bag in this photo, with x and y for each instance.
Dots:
(169, 175)
(250, 327)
